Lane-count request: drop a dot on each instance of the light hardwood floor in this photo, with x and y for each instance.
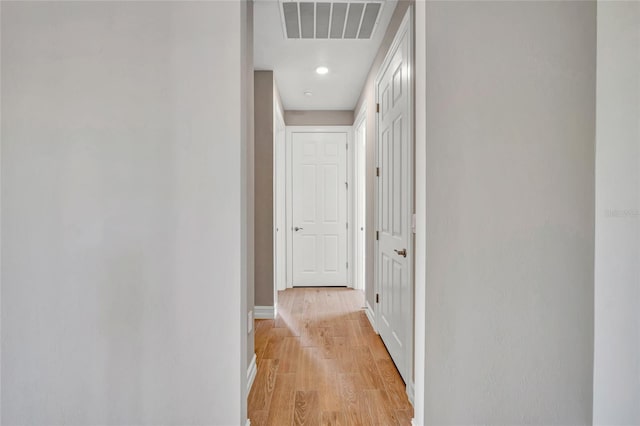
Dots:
(321, 363)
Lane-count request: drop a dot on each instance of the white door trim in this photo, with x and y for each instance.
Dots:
(289, 167)
(405, 27)
(264, 312)
(358, 186)
(252, 371)
(279, 205)
(420, 191)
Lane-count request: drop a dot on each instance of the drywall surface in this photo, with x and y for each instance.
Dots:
(264, 137)
(123, 299)
(249, 157)
(510, 212)
(616, 399)
(420, 71)
(318, 118)
(368, 99)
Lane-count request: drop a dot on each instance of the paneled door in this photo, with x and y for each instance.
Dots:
(394, 313)
(319, 208)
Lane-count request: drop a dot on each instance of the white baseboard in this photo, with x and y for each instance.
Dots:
(252, 370)
(248, 423)
(413, 422)
(411, 393)
(264, 312)
(371, 316)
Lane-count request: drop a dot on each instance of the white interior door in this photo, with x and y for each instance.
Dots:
(319, 208)
(394, 202)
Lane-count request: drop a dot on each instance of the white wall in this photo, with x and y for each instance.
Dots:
(318, 117)
(248, 186)
(510, 142)
(617, 267)
(420, 301)
(121, 213)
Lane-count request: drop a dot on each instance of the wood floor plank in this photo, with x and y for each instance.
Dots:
(375, 408)
(313, 336)
(368, 369)
(283, 332)
(262, 328)
(347, 357)
(377, 348)
(280, 321)
(337, 325)
(329, 386)
(307, 409)
(291, 355)
(320, 362)
(332, 345)
(259, 417)
(309, 369)
(355, 335)
(333, 418)
(404, 417)
(365, 325)
(283, 401)
(349, 395)
(396, 390)
(326, 343)
(273, 348)
(264, 384)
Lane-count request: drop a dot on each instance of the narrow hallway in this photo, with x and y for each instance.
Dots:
(321, 363)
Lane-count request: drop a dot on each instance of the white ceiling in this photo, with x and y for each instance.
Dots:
(294, 61)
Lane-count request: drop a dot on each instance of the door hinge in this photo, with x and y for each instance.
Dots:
(347, 225)
(377, 298)
(347, 265)
(346, 185)
(377, 107)
(346, 146)
(377, 235)
(377, 171)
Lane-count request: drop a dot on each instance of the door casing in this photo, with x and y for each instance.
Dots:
(290, 130)
(359, 202)
(405, 27)
(279, 207)
(419, 83)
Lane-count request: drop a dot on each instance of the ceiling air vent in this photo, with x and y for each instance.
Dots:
(337, 20)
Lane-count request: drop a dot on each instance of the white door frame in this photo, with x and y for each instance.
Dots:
(279, 204)
(420, 69)
(360, 184)
(405, 26)
(289, 167)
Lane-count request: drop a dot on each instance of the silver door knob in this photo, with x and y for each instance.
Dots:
(402, 252)
(297, 229)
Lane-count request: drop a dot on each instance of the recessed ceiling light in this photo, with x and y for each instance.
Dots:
(308, 93)
(322, 70)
